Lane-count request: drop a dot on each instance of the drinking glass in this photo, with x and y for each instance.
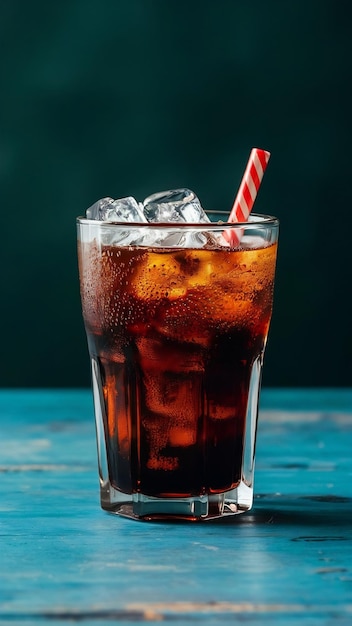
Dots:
(177, 323)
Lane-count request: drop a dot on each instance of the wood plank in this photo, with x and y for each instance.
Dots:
(62, 559)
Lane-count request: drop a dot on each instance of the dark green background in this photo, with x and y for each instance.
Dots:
(127, 97)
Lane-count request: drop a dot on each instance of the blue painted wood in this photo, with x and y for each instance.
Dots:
(62, 559)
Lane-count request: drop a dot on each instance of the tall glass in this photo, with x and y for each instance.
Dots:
(177, 323)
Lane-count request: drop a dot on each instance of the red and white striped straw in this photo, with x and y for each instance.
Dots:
(247, 193)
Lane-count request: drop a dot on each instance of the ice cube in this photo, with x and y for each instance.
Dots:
(175, 205)
(126, 210)
(121, 210)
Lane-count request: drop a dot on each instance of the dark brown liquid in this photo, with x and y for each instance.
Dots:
(175, 334)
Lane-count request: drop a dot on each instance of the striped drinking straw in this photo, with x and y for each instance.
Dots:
(247, 193)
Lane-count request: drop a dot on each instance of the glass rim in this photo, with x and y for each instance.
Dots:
(255, 220)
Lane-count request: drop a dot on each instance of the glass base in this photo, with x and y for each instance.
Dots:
(195, 508)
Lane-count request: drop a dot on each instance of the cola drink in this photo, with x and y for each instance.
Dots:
(176, 337)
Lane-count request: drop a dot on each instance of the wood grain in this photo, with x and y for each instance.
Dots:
(63, 560)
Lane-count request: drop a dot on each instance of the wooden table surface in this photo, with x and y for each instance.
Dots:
(63, 560)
